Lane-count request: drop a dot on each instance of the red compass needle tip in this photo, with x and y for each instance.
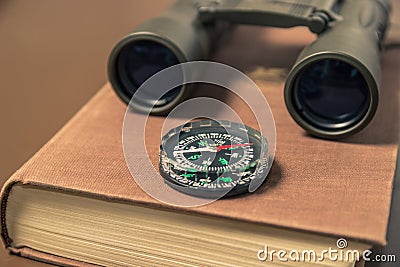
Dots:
(234, 145)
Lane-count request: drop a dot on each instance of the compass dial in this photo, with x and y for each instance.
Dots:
(212, 159)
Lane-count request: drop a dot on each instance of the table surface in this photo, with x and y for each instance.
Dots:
(7, 260)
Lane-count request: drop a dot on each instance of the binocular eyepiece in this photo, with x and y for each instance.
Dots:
(332, 90)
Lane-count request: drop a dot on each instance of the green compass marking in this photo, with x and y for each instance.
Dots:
(195, 157)
(225, 179)
(223, 161)
(203, 143)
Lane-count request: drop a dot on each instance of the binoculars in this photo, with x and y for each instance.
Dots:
(332, 91)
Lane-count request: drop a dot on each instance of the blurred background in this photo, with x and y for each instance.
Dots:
(53, 56)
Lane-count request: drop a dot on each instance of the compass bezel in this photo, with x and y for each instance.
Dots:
(190, 179)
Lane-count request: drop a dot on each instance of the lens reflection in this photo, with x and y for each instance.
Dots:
(331, 93)
(140, 60)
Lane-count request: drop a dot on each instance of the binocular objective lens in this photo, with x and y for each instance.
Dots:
(331, 94)
(138, 61)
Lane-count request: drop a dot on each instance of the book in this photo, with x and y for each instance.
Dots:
(74, 203)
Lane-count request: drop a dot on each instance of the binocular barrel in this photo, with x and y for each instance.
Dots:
(174, 37)
(332, 90)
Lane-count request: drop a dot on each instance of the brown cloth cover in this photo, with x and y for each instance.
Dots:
(339, 188)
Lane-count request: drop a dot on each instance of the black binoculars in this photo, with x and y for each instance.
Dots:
(331, 91)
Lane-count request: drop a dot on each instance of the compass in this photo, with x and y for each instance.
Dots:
(212, 159)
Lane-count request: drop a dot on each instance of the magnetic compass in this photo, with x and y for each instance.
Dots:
(212, 159)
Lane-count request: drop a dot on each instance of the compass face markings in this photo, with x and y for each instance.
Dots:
(209, 160)
(201, 152)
